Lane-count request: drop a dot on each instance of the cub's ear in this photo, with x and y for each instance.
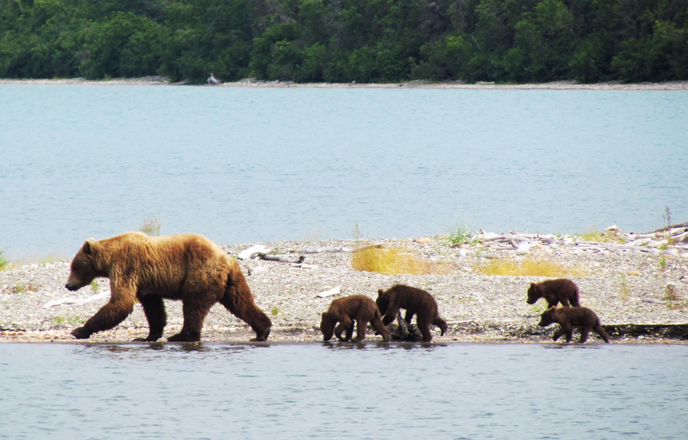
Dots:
(89, 246)
(532, 284)
(379, 292)
(324, 315)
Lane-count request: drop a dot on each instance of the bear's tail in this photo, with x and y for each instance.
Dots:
(239, 301)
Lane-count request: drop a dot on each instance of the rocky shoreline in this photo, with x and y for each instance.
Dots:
(636, 283)
(252, 82)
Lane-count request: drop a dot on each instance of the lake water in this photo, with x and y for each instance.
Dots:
(245, 165)
(376, 391)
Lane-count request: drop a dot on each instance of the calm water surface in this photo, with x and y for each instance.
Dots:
(343, 391)
(246, 165)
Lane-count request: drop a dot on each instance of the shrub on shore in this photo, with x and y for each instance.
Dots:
(392, 261)
(528, 267)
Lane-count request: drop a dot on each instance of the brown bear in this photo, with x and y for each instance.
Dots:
(568, 317)
(416, 302)
(554, 291)
(186, 267)
(345, 310)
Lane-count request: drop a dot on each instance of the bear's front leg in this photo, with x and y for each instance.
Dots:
(107, 317)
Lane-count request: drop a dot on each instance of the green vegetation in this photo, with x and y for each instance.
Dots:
(274, 311)
(151, 226)
(460, 235)
(346, 40)
(3, 262)
(60, 321)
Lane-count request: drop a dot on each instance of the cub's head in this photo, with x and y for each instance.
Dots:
(84, 266)
(534, 293)
(327, 326)
(546, 318)
(382, 301)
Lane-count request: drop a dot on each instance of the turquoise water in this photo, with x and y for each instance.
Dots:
(246, 165)
(376, 391)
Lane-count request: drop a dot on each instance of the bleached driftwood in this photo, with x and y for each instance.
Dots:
(281, 258)
(77, 301)
(333, 291)
(253, 252)
(320, 250)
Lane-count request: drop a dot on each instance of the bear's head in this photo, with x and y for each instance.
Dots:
(382, 301)
(547, 317)
(534, 293)
(85, 267)
(327, 326)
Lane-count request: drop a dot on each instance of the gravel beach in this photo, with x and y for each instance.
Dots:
(636, 282)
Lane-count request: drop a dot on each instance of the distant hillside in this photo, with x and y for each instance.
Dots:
(347, 40)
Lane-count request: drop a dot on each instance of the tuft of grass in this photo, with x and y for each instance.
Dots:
(460, 235)
(274, 311)
(625, 290)
(672, 298)
(61, 320)
(94, 286)
(392, 261)
(151, 226)
(4, 264)
(662, 263)
(528, 267)
(23, 288)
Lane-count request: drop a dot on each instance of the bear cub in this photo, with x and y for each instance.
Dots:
(344, 311)
(568, 317)
(416, 302)
(555, 291)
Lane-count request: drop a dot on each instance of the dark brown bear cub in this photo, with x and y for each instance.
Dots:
(416, 302)
(186, 267)
(554, 291)
(344, 311)
(568, 317)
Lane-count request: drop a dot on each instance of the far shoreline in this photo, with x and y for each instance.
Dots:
(457, 85)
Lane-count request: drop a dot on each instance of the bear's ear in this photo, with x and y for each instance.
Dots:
(89, 246)
(324, 315)
(532, 285)
(379, 292)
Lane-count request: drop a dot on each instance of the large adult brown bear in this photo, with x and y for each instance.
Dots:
(186, 267)
(415, 302)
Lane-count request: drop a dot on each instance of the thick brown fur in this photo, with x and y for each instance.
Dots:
(416, 302)
(568, 317)
(344, 311)
(186, 267)
(555, 291)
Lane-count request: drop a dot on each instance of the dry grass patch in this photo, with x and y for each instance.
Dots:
(392, 261)
(529, 267)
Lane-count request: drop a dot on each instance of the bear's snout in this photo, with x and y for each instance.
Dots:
(70, 287)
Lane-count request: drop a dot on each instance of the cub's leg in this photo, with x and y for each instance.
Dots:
(409, 316)
(585, 331)
(343, 325)
(424, 327)
(154, 308)
(560, 331)
(350, 332)
(600, 331)
(361, 325)
(442, 324)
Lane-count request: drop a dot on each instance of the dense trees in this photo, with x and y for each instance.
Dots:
(347, 40)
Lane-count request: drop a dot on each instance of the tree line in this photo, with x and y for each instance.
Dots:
(347, 40)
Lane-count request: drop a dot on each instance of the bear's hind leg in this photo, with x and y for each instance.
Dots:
(585, 331)
(194, 315)
(442, 324)
(154, 308)
(600, 331)
(424, 327)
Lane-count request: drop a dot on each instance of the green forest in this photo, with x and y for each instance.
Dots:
(367, 41)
